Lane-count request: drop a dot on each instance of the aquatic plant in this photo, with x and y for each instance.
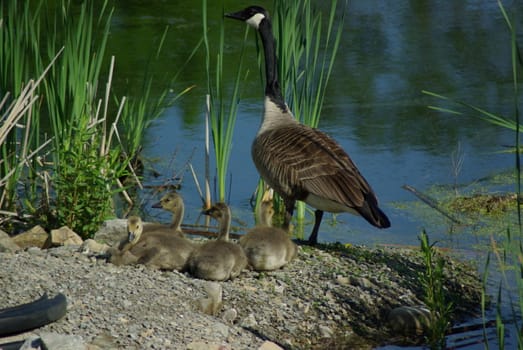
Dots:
(222, 109)
(74, 182)
(432, 281)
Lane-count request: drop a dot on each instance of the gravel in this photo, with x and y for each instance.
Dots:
(328, 297)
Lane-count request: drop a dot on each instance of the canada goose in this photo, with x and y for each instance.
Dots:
(267, 248)
(157, 248)
(299, 162)
(219, 259)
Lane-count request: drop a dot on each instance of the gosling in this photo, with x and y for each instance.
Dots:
(218, 260)
(267, 248)
(157, 249)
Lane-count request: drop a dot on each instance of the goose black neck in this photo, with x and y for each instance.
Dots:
(272, 85)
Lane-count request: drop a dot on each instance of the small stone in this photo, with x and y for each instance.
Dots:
(103, 341)
(90, 246)
(249, 322)
(279, 289)
(31, 343)
(325, 332)
(212, 304)
(222, 329)
(360, 282)
(230, 315)
(269, 345)
(342, 280)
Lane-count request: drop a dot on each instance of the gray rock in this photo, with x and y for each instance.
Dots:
(409, 320)
(63, 236)
(7, 244)
(35, 237)
(55, 341)
(112, 232)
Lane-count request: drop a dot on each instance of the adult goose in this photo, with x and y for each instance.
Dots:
(299, 162)
(267, 248)
(219, 259)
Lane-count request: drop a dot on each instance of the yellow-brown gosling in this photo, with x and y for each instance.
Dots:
(159, 247)
(267, 248)
(173, 203)
(219, 259)
(299, 162)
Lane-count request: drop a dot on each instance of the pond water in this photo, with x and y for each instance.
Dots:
(374, 107)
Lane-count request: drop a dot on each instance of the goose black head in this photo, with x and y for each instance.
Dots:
(252, 15)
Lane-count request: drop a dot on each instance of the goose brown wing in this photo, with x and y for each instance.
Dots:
(303, 160)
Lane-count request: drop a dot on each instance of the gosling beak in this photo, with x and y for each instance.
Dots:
(157, 205)
(130, 236)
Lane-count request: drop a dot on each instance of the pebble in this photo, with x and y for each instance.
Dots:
(301, 305)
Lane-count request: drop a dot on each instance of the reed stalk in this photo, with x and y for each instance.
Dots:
(223, 105)
(20, 62)
(87, 157)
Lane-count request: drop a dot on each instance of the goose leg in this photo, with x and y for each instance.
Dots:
(289, 210)
(313, 238)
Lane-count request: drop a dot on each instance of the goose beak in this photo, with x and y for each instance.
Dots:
(130, 236)
(236, 15)
(157, 205)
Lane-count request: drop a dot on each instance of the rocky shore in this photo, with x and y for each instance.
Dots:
(329, 297)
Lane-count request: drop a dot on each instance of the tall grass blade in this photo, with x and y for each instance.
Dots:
(223, 106)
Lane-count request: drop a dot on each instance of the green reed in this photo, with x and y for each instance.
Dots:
(307, 43)
(223, 105)
(75, 181)
(19, 63)
(432, 282)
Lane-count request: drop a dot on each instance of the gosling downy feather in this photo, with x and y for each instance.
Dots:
(299, 162)
(267, 248)
(158, 247)
(218, 260)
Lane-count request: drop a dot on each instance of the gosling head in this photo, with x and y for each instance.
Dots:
(172, 201)
(265, 212)
(252, 15)
(134, 229)
(218, 211)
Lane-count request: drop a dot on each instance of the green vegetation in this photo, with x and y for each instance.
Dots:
(66, 172)
(432, 282)
(221, 112)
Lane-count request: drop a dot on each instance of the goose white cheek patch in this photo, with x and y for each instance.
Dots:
(255, 20)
